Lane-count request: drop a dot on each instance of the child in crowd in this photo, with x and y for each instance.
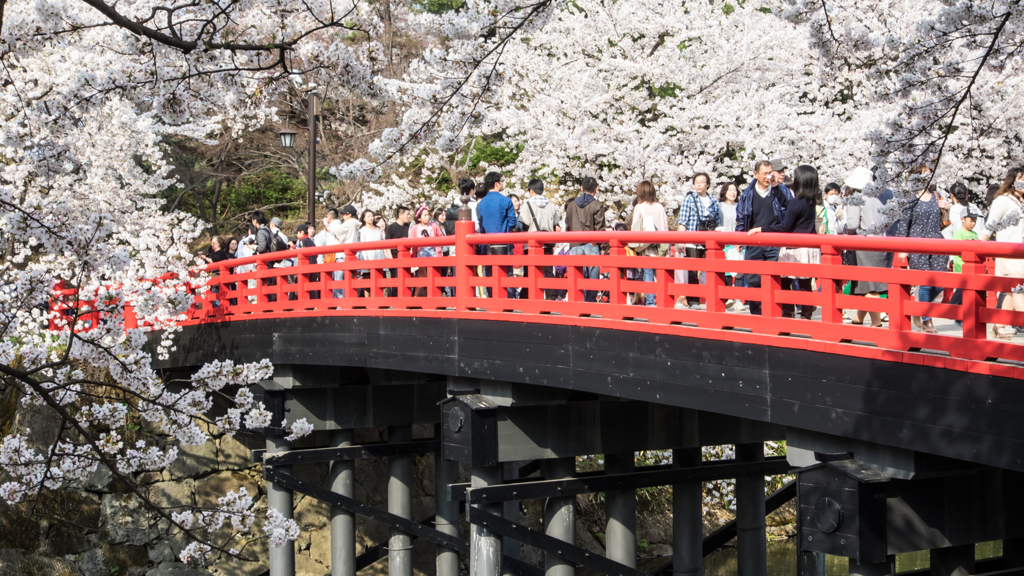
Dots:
(964, 232)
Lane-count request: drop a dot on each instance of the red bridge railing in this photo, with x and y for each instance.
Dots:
(447, 287)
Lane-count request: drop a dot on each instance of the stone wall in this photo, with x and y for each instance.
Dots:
(107, 532)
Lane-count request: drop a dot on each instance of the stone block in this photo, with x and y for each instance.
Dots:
(215, 486)
(232, 454)
(113, 560)
(307, 566)
(174, 495)
(126, 520)
(194, 461)
(149, 477)
(320, 547)
(311, 514)
(16, 562)
(259, 564)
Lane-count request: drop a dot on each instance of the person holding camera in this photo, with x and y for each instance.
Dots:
(698, 213)
(763, 204)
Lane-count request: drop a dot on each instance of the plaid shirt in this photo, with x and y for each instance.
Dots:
(693, 211)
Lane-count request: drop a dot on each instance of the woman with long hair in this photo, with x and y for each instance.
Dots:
(424, 227)
(922, 218)
(799, 219)
(649, 216)
(1005, 221)
(370, 232)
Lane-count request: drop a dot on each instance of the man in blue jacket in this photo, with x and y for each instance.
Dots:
(763, 203)
(496, 215)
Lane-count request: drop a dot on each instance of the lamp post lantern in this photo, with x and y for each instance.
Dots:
(287, 138)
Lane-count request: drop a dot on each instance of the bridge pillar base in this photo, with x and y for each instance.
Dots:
(485, 546)
(620, 510)
(446, 515)
(751, 544)
(400, 503)
(687, 523)
(343, 524)
(282, 559)
(559, 517)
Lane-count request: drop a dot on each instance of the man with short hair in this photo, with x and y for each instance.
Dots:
(264, 245)
(396, 230)
(496, 215)
(585, 214)
(763, 203)
(538, 214)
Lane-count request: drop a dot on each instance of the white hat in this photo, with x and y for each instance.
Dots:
(859, 178)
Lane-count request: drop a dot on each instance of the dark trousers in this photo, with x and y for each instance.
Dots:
(765, 253)
(799, 285)
(500, 250)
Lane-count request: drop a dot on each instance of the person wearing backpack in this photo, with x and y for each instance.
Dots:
(264, 245)
(538, 214)
(648, 216)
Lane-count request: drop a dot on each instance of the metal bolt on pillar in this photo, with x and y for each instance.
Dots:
(343, 524)
(400, 503)
(446, 518)
(485, 546)
(620, 511)
(687, 519)
(559, 517)
(282, 559)
(751, 549)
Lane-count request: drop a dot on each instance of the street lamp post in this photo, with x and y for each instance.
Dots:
(288, 141)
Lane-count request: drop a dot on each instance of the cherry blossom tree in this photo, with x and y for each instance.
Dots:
(90, 90)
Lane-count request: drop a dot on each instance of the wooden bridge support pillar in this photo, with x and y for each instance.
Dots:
(343, 524)
(687, 518)
(282, 559)
(485, 546)
(400, 503)
(559, 516)
(1013, 552)
(953, 561)
(446, 515)
(886, 568)
(510, 547)
(620, 511)
(751, 548)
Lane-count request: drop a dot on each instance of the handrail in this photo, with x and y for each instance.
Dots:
(449, 286)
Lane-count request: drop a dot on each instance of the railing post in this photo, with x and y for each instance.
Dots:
(615, 294)
(534, 273)
(262, 297)
(715, 280)
(350, 259)
(899, 295)
(463, 250)
(974, 300)
(830, 312)
(404, 254)
(769, 284)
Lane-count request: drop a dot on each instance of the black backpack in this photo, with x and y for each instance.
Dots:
(277, 244)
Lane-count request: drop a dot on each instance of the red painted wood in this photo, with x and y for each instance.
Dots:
(288, 291)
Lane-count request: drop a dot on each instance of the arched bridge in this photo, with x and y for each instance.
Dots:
(902, 440)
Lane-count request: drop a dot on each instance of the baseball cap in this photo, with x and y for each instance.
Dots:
(276, 221)
(349, 209)
(778, 165)
(974, 214)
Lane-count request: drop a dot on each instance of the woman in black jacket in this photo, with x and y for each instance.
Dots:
(799, 219)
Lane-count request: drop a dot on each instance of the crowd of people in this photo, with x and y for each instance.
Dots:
(773, 201)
